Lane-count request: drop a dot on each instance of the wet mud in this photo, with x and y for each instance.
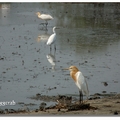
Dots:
(108, 105)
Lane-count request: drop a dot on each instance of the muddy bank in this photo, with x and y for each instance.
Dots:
(109, 105)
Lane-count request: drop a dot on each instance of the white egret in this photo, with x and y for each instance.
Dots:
(52, 38)
(79, 81)
(45, 17)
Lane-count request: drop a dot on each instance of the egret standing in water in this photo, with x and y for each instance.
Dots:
(45, 17)
(52, 39)
(79, 81)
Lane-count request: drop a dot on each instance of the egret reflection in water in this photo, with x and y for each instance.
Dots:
(42, 37)
(51, 59)
(4, 11)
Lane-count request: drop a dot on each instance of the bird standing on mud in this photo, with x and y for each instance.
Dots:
(52, 38)
(45, 17)
(79, 81)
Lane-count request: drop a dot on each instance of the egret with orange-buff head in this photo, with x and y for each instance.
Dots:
(80, 81)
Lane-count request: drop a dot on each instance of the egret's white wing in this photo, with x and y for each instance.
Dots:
(51, 39)
(81, 83)
(46, 17)
(87, 93)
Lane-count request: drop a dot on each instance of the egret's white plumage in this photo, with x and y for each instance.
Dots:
(45, 17)
(52, 38)
(80, 82)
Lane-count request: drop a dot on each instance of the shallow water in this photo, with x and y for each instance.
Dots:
(88, 37)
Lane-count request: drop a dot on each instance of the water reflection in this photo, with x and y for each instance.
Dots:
(42, 27)
(78, 15)
(51, 59)
(4, 12)
(42, 37)
(4, 6)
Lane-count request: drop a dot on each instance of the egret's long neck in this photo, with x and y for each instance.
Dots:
(54, 31)
(72, 74)
(38, 15)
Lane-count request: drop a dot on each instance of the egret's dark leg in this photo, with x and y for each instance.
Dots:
(50, 48)
(55, 47)
(80, 96)
(46, 24)
(54, 52)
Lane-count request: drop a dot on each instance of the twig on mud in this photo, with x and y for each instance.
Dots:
(72, 106)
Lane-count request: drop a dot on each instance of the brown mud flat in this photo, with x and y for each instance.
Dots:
(93, 107)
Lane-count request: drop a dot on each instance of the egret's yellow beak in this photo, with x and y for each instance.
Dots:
(37, 13)
(65, 69)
